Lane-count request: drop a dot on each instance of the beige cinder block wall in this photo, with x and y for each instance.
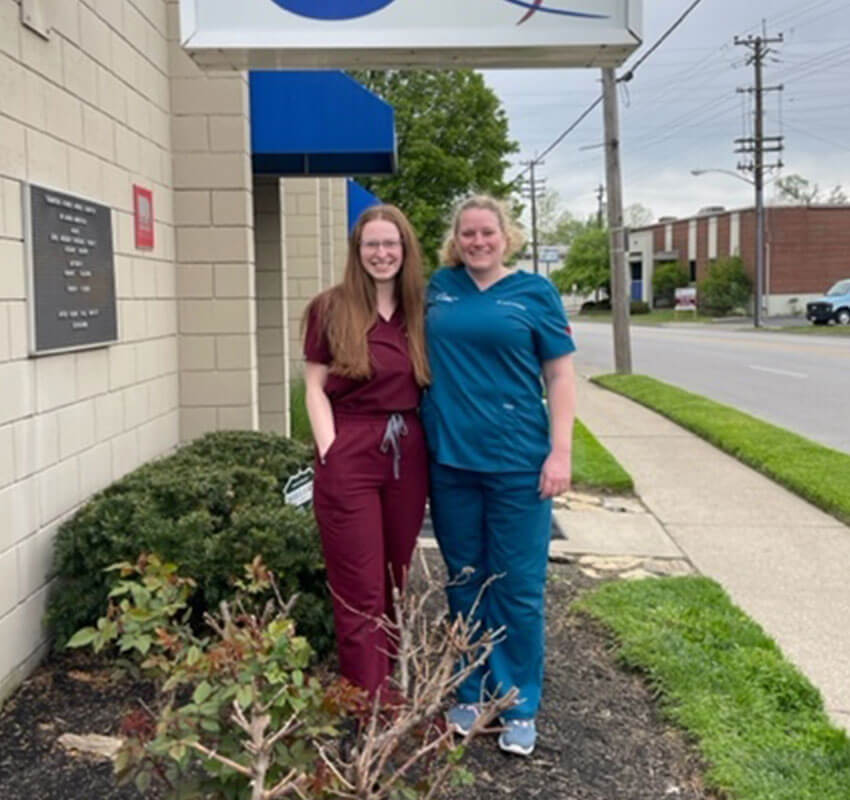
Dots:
(213, 216)
(85, 111)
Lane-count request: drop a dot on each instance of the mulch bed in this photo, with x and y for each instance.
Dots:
(600, 733)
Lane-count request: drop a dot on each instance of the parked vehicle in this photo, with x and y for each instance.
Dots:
(834, 305)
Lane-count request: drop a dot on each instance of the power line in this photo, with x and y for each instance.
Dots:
(625, 78)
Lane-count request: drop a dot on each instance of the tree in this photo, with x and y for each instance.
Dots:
(587, 266)
(726, 288)
(452, 135)
(554, 225)
(637, 215)
(795, 190)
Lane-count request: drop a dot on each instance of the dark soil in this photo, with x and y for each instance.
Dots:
(600, 734)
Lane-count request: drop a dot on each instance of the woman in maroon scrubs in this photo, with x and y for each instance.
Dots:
(365, 368)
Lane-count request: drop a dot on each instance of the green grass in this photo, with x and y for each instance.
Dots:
(817, 473)
(594, 467)
(658, 317)
(757, 722)
(814, 330)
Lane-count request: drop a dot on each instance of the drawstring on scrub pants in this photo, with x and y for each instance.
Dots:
(396, 428)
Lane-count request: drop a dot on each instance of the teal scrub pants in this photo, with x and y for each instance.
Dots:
(496, 524)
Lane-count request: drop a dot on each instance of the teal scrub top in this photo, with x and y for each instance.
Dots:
(484, 409)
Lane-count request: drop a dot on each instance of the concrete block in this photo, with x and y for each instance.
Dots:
(64, 115)
(117, 187)
(92, 369)
(76, 428)
(221, 95)
(212, 171)
(65, 19)
(164, 395)
(271, 398)
(214, 244)
(18, 329)
(79, 72)
(136, 410)
(95, 468)
(273, 423)
(7, 455)
(110, 12)
(10, 31)
(180, 65)
(139, 120)
(95, 37)
(197, 352)
(125, 454)
(8, 581)
(122, 366)
(132, 320)
(12, 274)
(35, 560)
(109, 419)
(236, 419)
(98, 133)
(271, 369)
(233, 280)
(4, 333)
(216, 388)
(58, 490)
(19, 513)
(195, 422)
(13, 161)
(111, 95)
(230, 134)
(233, 352)
(16, 399)
(86, 174)
(47, 160)
(124, 59)
(194, 280)
(36, 444)
(11, 191)
(161, 317)
(231, 207)
(144, 278)
(127, 148)
(166, 279)
(190, 134)
(270, 341)
(192, 208)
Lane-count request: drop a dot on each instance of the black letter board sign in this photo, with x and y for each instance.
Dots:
(71, 271)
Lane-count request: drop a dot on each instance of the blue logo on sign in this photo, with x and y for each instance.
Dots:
(534, 6)
(333, 9)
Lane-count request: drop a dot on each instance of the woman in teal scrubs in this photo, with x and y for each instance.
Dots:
(495, 338)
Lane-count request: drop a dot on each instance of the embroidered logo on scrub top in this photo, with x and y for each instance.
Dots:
(512, 303)
(442, 297)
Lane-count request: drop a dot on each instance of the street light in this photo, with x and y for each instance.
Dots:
(759, 204)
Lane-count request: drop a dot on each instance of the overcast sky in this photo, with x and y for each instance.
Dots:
(681, 111)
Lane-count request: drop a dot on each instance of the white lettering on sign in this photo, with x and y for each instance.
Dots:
(298, 490)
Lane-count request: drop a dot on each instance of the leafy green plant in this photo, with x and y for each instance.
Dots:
(214, 503)
(726, 288)
(666, 278)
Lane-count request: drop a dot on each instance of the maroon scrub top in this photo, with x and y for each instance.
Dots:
(392, 386)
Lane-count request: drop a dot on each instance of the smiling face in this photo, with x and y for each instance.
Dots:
(480, 239)
(381, 250)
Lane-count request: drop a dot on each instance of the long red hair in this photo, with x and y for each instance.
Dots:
(348, 310)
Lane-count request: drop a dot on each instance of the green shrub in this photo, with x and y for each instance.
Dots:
(665, 280)
(211, 506)
(639, 307)
(301, 431)
(726, 288)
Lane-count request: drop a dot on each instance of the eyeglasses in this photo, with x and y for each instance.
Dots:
(387, 244)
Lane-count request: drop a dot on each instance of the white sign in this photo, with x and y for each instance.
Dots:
(298, 490)
(269, 34)
(686, 299)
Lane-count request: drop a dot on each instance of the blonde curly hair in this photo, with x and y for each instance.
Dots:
(514, 237)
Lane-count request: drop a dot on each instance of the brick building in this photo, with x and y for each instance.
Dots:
(807, 249)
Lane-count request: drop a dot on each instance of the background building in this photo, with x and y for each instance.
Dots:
(807, 250)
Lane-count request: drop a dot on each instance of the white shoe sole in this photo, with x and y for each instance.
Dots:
(516, 749)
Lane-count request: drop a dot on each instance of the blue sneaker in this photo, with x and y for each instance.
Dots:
(461, 718)
(518, 737)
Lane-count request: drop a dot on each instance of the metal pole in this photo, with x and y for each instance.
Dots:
(534, 220)
(613, 177)
(758, 176)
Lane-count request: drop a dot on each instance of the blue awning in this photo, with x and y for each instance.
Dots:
(359, 199)
(319, 123)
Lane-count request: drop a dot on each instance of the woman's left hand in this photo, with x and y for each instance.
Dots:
(555, 475)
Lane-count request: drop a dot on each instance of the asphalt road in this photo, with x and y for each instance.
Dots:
(801, 383)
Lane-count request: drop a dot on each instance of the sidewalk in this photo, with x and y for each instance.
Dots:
(783, 561)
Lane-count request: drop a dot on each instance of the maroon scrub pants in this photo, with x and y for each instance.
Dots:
(369, 510)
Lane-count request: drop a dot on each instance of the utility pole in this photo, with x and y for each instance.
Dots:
(757, 146)
(531, 189)
(600, 194)
(613, 177)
